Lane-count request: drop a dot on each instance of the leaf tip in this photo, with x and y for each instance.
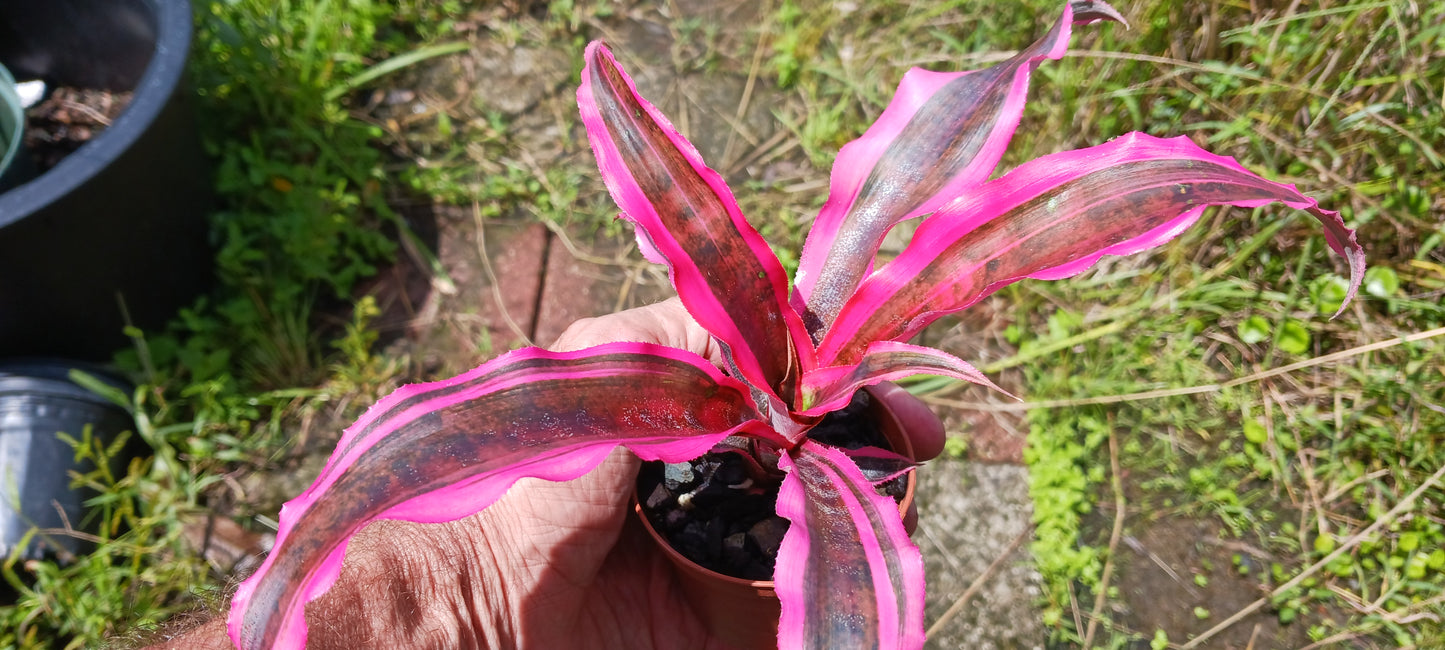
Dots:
(1093, 11)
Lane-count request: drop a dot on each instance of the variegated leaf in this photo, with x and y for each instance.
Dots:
(685, 214)
(442, 451)
(847, 574)
(943, 134)
(1052, 218)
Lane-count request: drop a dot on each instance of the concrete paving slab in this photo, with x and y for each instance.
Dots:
(969, 514)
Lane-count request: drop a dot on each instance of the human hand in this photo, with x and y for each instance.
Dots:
(549, 565)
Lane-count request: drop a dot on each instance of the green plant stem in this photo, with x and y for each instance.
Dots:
(393, 64)
(1057, 346)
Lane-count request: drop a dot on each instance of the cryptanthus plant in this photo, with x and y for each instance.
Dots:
(847, 574)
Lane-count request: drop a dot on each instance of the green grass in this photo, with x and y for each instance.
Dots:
(1342, 99)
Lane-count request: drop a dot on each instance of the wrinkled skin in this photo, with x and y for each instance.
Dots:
(550, 565)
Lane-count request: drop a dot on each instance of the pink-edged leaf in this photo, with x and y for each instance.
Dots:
(847, 574)
(829, 389)
(442, 451)
(942, 134)
(1052, 218)
(722, 268)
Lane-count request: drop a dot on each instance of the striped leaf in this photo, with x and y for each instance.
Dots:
(1052, 218)
(442, 451)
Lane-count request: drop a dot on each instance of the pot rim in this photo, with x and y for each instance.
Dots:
(50, 378)
(766, 586)
(151, 94)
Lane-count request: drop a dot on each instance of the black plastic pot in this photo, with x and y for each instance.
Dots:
(124, 217)
(37, 401)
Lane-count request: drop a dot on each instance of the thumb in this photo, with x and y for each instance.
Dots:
(664, 323)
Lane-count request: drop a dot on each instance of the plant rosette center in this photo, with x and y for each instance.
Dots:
(720, 510)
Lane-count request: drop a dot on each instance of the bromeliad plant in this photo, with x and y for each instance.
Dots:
(847, 574)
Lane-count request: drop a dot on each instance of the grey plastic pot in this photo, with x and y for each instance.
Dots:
(37, 402)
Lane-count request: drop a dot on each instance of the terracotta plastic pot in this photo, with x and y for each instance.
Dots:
(744, 613)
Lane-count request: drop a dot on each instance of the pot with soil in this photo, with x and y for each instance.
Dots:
(715, 519)
(117, 215)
